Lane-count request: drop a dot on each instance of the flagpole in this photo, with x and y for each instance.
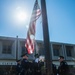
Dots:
(47, 46)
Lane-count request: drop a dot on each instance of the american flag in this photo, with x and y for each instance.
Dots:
(31, 31)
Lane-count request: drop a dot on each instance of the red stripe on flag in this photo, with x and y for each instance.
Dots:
(31, 31)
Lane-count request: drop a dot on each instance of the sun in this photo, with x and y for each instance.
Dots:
(21, 15)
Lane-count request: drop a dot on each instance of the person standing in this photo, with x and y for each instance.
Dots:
(24, 64)
(18, 67)
(63, 68)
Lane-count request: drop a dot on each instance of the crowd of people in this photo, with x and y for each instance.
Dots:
(25, 67)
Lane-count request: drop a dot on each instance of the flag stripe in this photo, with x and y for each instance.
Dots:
(32, 26)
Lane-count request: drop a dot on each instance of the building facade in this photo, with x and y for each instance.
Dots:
(11, 49)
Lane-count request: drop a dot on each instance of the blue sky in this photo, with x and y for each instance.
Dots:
(61, 19)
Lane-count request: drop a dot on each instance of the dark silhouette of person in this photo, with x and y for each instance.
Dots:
(18, 67)
(24, 64)
(63, 68)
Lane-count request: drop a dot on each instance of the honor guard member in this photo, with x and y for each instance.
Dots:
(24, 64)
(63, 68)
(18, 67)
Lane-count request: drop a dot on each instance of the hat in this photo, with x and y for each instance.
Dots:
(18, 60)
(61, 57)
(24, 55)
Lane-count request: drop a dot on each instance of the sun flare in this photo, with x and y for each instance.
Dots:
(21, 15)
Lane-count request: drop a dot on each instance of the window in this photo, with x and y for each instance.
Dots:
(69, 51)
(7, 49)
(23, 49)
(56, 50)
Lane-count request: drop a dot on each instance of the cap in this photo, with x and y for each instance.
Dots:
(25, 54)
(61, 57)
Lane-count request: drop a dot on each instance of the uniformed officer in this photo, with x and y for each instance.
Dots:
(18, 67)
(24, 64)
(63, 69)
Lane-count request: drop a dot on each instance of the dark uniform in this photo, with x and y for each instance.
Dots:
(37, 68)
(18, 68)
(25, 66)
(63, 69)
